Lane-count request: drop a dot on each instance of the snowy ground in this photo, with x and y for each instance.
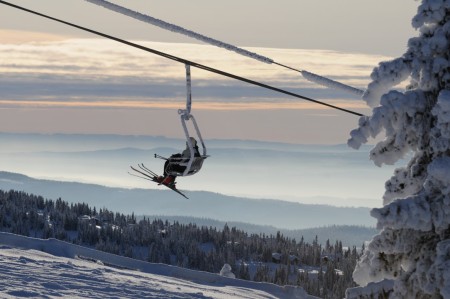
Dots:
(52, 269)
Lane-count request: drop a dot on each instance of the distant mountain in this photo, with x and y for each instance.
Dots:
(349, 235)
(32, 142)
(275, 213)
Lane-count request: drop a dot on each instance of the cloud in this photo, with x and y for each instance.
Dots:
(92, 70)
(162, 104)
(19, 37)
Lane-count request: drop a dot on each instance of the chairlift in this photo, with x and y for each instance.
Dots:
(181, 166)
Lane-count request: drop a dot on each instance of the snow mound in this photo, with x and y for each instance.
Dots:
(226, 271)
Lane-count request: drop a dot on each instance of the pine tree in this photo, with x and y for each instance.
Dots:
(413, 248)
(243, 272)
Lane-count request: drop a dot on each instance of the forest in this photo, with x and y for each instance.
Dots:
(323, 270)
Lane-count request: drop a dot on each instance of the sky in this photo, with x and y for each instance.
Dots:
(367, 26)
(57, 79)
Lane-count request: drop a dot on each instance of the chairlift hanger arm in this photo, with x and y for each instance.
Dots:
(185, 116)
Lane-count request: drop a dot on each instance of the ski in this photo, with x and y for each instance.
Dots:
(143, 167)
(151, 176)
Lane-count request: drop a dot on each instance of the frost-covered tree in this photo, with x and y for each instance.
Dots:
(226, 271)
(410, 258)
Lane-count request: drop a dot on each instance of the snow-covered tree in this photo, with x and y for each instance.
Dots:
(410, 258)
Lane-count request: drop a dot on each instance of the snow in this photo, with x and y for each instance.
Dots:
(178, 29)
(442, 113)
(51, 268)
(432, 11)
(439, 170)
(400, 117)
(384, 77)
(375, 288)
(441, 269)
(276, 256)
(330, 83)
(226, 271)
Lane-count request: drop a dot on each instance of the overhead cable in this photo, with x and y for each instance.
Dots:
(327, 82)
(181, 60)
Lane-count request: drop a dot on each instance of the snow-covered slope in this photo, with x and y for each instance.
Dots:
(51, 268)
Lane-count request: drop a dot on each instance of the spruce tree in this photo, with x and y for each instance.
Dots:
(413, 249)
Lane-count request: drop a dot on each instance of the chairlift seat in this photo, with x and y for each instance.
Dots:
(178, 166)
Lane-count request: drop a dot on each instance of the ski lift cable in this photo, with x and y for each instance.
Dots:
(327, 82)
(181, 60)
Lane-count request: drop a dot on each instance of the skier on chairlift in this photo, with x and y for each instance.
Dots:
(169, 179)
(185, 164)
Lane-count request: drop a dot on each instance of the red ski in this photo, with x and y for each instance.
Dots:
(149, 175)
